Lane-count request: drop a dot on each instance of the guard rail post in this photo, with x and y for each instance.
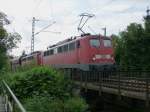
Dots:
(86, 77)
(119, 84)
(100, 82)
(147, 89)
(81, 78)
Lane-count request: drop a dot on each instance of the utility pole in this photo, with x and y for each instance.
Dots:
(148, 13)
(42, 30)
(147, 17)
(147, 20)
(104, 31)
(32, 38)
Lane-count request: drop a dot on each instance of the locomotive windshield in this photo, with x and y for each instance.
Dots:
(95, 43)
(107, 43)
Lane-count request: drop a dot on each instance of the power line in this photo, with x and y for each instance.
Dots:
(106, 5)
(36, 7)
(45, 28)
(51, 8)
(52, 32)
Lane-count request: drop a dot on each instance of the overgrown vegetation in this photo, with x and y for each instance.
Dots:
(42, 89)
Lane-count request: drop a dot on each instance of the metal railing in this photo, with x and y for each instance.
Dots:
(137, 82)
(11, 101)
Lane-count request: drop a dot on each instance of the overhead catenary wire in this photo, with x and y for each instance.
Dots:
(51, 8)
(36, 7)
(45, 28)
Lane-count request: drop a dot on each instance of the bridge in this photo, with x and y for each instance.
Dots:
(133, 84)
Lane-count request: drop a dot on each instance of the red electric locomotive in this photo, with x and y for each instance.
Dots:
(86, 52)
(33, 58)
(25, 60)
(14, 63)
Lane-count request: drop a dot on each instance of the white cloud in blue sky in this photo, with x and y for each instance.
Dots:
(113, 14)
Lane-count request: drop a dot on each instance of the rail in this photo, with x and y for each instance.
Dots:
(11, 101)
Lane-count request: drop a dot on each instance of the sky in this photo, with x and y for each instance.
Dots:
(115, 15)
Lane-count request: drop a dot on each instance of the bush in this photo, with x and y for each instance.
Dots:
(43, 89)
(40, 81)
(44, 104)
(75, 104)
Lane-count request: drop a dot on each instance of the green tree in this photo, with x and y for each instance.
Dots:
(132, 45)
(8, 41)
(116, 41)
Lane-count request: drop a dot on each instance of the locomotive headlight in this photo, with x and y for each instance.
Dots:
(94, 58)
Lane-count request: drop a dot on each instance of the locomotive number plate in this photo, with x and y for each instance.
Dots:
(98, 56)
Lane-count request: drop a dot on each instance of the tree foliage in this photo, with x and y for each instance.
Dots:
(8, 41)
(132, 46)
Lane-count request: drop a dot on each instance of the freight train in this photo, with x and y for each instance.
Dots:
(85, 52)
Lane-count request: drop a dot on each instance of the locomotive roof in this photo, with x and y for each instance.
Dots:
(73, 39)
(31, 54)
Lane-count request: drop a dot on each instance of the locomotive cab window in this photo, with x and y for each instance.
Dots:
(60, 49)
(71, 46)
(51, 52)
(95, 43)
(45, 53)
(65, 48)
(107, 43)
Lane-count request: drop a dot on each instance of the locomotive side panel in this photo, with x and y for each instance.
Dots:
(83, 52)
(65, 54)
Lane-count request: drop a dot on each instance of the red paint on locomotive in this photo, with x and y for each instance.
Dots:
(87, 50)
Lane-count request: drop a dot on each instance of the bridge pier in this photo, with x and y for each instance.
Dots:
(147, 100)
(96, 102)
(147, 106)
